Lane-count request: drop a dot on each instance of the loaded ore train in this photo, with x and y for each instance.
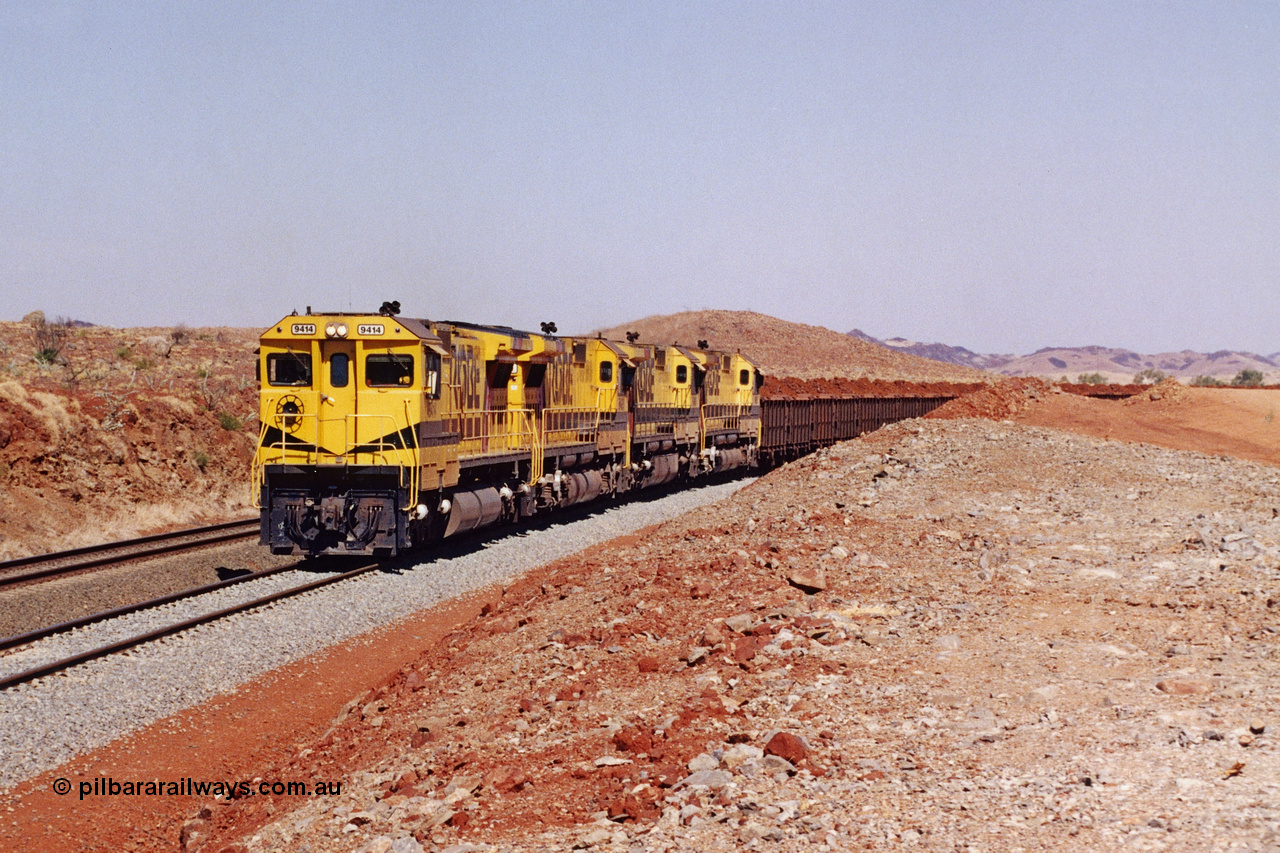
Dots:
(380, 434)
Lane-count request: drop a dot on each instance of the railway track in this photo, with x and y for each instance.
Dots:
(43, 566)
(52, 667)
(352, 567)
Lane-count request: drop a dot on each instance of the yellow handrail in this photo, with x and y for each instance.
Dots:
(495, 431)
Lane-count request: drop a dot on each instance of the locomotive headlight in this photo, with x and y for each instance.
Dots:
(342, 330)
(331, 330)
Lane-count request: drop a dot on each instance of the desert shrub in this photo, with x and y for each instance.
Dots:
(123, 353)
(201, 459)
(1207, 382)
(1247, 378)
(210, 392)
(1091, 379)
(1150, 376)
(143, 363)
(179, 333)
(49, 338)
(230, 422)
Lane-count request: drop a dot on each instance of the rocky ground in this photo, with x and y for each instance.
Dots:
(949, 635)
(952, 634)
(121, 432)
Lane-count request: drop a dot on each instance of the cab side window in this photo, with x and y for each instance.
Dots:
(388, 370)
(432, 363)
(682, 374)
(606, 371)
(289, 368)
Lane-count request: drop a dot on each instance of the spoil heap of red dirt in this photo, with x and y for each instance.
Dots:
(1103, 390)
(997, 402)
(792, 388)
(1169, 389)
(780, 348)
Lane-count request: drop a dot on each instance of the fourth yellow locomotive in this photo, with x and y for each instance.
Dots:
(380, 434)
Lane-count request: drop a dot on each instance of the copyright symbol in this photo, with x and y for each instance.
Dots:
(61, 786)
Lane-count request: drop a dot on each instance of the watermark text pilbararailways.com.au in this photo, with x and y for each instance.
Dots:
(106, 786)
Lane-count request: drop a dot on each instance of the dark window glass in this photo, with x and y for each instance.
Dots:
(289, 368)
(744, 377)
(339, 370)
(388, 371)
(682, 374)
(433, 374)
(606, 371)
(500, 374)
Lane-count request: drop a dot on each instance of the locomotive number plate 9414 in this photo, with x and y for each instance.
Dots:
(304, 328)
(370, 329)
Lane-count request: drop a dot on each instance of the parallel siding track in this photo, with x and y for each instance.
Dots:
(42, 566)
(129, 642)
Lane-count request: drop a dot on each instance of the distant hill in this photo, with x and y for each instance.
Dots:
(782, 348)
(937, 352)
(1121, 364)
(1117, 365)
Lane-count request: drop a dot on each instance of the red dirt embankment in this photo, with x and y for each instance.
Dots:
(1238, 422)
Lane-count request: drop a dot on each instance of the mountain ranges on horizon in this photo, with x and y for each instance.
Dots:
(1117, 365)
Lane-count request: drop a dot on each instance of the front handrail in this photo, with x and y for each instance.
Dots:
(495, 431)
(722, 416)
(655, 419)
(570, 425)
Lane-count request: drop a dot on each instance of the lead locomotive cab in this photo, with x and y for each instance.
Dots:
(339, 460)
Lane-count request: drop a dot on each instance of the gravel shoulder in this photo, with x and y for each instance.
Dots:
(51, 720)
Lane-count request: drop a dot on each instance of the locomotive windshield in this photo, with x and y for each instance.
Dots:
(289, 368)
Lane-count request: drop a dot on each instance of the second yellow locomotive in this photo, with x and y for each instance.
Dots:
(381, 434)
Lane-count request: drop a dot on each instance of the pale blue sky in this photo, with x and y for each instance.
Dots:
(1002, 176)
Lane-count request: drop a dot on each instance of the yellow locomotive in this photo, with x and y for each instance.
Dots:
(380, 434)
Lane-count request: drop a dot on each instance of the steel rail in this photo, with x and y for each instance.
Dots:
(130, 642)
(107, 553)
(124, 610)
